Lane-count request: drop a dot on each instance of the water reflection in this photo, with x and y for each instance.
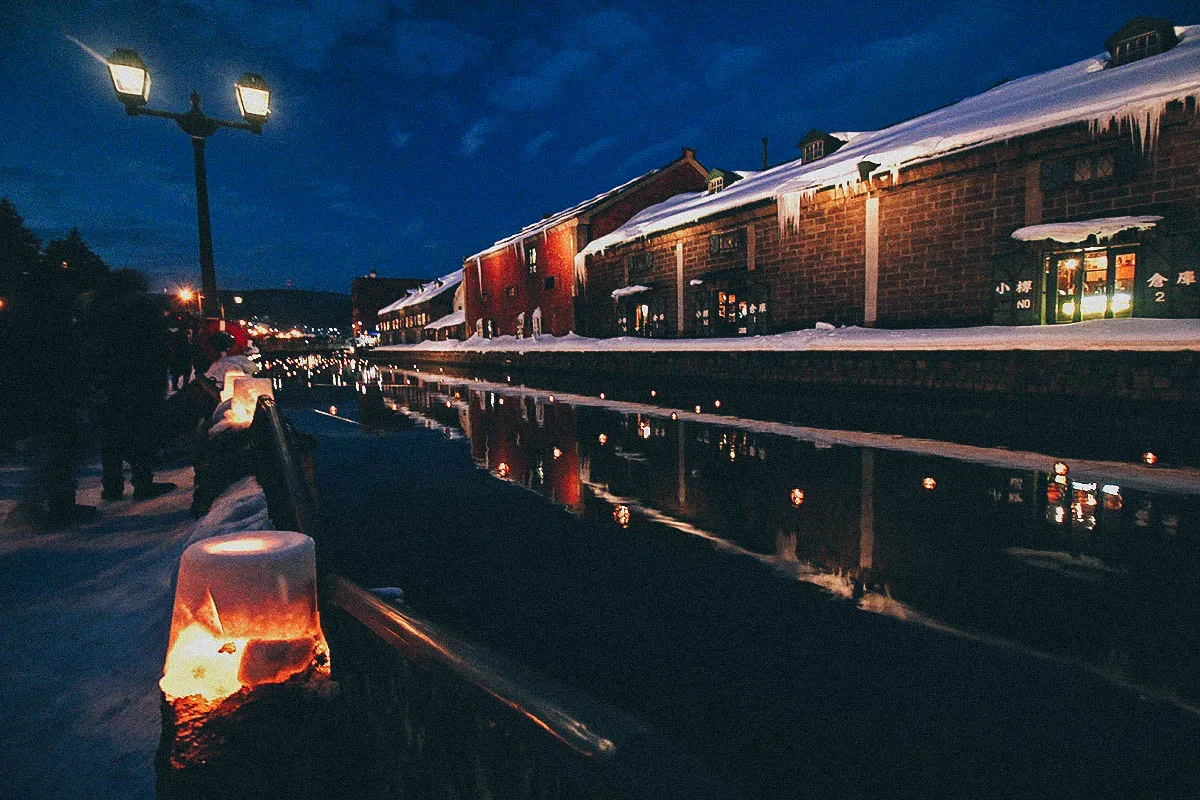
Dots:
(1093, 564)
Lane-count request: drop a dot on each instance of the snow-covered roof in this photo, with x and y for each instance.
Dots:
(426, 292)
(1134, 94)
(551, 220)
(1102, 228)
(448, 321)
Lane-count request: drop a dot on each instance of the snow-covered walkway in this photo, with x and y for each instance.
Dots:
(1110, 334)
(86, 613)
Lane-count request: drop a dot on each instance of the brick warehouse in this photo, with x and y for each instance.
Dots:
(525, 284)
(951, 218)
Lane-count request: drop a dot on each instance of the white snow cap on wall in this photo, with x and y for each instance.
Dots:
(1070, 232)
(1132, 96)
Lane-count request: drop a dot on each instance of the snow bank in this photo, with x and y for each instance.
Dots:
(1101, 334)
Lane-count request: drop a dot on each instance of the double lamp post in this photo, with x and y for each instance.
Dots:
(131, 80)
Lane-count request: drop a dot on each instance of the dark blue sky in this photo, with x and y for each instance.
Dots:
(406, 136)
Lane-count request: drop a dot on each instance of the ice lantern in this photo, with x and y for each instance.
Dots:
(230, 378)
(245, 615)
(246, 392)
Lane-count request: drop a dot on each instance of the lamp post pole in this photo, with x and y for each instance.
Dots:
(131, 80)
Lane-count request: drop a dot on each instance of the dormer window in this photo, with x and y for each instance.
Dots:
(818, 144)
(716, 183)
(1140, 38)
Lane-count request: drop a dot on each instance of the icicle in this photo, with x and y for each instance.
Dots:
(1142, 120)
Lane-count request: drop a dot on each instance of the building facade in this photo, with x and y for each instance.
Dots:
(370, 293)
(1065, 196)
(422, 312)
(525, 284)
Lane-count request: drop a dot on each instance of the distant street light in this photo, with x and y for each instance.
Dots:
(131, 81)
(187, 295)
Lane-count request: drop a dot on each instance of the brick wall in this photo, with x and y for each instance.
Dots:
(942, 227)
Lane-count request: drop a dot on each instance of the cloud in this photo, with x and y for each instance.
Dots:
(535, 145)
(304, 32)
(538, 89)
(477, 134)
(588, 152)
(730, 64)
(434, 48)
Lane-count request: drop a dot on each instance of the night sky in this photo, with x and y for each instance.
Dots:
(406, 136)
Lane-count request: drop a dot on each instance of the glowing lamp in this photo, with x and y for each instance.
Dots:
(254, 98)
(603, 439)
(674, 415)
(246, 392)
(130, 78)
(602, 395)
(929, 484)
(502, 469)
(231, 377)
(797, 497)
(1061, 469)
(697, 409)
(557, 454)
(622, 515)
(245, 615)
(1150, 459)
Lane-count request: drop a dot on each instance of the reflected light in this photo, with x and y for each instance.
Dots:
(247, 545)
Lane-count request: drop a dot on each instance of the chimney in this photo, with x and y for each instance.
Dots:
(689, 153)
(764, 153)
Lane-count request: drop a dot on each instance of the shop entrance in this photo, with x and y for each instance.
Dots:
(1092, 284)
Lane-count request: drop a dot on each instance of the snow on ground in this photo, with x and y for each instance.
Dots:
(87, 611)
(1100, 334)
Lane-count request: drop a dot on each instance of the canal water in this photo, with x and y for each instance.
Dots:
(806, 611)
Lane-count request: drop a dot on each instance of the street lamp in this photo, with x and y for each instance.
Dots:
(187, 295)
(131, 81)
